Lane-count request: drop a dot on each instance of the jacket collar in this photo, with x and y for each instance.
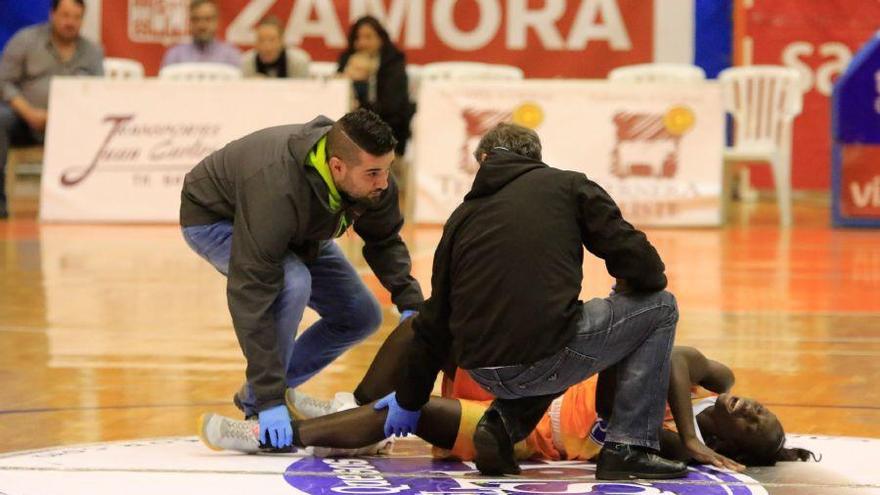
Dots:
(501, 167)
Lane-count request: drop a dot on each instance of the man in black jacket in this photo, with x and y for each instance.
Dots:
(264, 211)
(504, 306)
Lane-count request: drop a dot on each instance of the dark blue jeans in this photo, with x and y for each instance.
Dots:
(633, 334)
(13, 130)
(329, 285)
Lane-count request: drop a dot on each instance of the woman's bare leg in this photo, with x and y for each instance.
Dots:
(354, 428)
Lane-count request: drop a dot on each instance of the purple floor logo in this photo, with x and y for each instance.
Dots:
(422, 476)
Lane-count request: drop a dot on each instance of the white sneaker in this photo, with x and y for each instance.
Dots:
(302, 406)
(343, 401)
(222, 433)
(382, 447)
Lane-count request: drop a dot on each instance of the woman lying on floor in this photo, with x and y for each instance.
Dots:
(704, 422)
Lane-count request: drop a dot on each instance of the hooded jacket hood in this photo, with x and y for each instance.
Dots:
(500, 168)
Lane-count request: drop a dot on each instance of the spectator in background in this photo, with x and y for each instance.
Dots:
(269, 58)
(205, 47)
(377, 69)
(31, 58)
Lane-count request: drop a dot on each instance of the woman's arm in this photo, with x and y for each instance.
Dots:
(690, 367)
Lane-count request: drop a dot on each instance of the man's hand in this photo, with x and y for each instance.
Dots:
(276, 421)
(36, 119)
(399, 422)
(704, 455)
(406, 314)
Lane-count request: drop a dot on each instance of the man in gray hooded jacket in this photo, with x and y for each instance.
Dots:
(264, 211)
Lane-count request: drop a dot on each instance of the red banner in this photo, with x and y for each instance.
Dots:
(818, 39)
(860, 182)
(546, 38)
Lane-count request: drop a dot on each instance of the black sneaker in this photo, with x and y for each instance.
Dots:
(4, 213)
(618, 461)
(494, 450)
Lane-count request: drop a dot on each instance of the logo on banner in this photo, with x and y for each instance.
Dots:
(141, 148)
(479, 122)
(860, 181)
(417, 476)
(158, 21)
(647, 144)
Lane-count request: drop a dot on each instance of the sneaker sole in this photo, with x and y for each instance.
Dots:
(203, 436)
(625, 475)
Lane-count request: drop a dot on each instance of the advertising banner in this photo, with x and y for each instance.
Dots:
(818, 39)
(117, 151)
(553, 38)
(656, 149)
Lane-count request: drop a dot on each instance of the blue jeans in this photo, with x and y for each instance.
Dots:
(633, 334)
(13, 130)
(329, 285)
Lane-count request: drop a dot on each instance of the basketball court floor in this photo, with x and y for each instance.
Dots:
(115, 338)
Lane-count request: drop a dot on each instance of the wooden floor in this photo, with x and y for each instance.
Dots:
(120, 332)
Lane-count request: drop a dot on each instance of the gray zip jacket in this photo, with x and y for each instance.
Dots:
(277, 206)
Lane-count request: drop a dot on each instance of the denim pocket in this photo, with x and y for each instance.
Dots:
(554, 374)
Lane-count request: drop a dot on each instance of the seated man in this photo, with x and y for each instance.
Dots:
(741, 430)
(31, 58)
(270, 58)
(205, 47)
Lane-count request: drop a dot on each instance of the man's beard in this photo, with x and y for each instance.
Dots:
(369, 200)
(64, 37)
(202, 42)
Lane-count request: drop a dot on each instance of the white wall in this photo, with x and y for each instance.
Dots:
(92, 23)
(674, 31)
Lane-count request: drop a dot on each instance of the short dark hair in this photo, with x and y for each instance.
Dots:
(198, 3)
(769, 450)
(56, 3)
(360, 129)
(514, 138)
(271, 20)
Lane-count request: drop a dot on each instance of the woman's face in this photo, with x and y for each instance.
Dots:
(745, 425)
(269, 43)
(367, 40)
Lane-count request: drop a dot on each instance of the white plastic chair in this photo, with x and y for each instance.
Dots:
(123, 68)
(657, 73)
(763, 100)
(322, 71)
(502, 72)
(199, 71)
(469, 71)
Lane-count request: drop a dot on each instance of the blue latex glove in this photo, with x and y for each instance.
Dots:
(409, 313)
(399, 422)
(276, 421)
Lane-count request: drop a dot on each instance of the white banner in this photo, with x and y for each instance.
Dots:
(657, 149)
(117, 151)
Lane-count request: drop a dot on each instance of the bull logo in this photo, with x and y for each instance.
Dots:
(647, 144)
(479, 122)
